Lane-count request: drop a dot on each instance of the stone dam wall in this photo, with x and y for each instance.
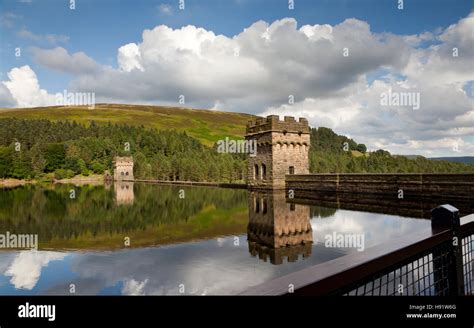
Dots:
(419, 185)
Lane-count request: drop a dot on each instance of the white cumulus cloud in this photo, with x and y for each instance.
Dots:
(60, 60)
(24, 87)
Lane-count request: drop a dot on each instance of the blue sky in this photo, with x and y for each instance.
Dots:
(250, 55)
(99, 28)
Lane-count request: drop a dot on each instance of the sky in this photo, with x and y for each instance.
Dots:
(392, 74)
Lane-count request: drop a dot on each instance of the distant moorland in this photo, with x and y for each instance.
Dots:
(205, 125)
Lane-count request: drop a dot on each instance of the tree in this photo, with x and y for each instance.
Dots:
(72, 163)
(63, 174)
(83, 167)
(98, 167)
(21, 165)
(5, 161)
(38, 162)
(141, 167)
(362, 148)
(55, 155)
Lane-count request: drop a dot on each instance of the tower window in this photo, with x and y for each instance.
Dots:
(292, 170)
(256, 172)
(264, 172)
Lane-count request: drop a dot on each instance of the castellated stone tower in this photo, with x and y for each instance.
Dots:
(123, 168)
(282, 149)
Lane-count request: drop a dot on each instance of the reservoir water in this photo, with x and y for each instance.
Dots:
(139, 239)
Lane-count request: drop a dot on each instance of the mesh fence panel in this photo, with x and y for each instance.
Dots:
(468, 264)
(427, 274)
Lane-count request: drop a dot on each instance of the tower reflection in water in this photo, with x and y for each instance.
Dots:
(277, 229)
(124, 194)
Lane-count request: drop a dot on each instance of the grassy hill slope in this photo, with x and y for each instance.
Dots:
(205, 125)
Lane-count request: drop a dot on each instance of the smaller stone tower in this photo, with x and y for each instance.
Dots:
(282, 149)
(123, 168)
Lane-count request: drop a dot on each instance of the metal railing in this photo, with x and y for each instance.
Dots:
(436, 261)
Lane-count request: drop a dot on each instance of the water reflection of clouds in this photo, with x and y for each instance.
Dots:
(378, 228)
(25, 267)
(133, 287)
(201, 268)
(220, 242)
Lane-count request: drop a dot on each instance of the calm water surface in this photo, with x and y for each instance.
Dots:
(212, 241)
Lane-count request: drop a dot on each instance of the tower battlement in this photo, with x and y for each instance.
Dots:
(282, 149)
(123, 160)
(273, 123)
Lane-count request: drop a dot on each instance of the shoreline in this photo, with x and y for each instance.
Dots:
(11, 182)
(100, 180)
(231, 185)
(96, 179)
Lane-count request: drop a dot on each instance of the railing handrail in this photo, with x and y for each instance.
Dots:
(328, 277)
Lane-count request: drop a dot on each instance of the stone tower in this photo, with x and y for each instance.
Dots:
(282, 149)
(123, 168)
(277, 229)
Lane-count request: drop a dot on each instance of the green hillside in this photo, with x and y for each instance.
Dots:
(205, 125)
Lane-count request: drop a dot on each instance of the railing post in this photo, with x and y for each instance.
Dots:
(446, 217)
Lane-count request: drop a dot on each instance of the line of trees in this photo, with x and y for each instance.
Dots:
(333, 153)
(42, 149)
